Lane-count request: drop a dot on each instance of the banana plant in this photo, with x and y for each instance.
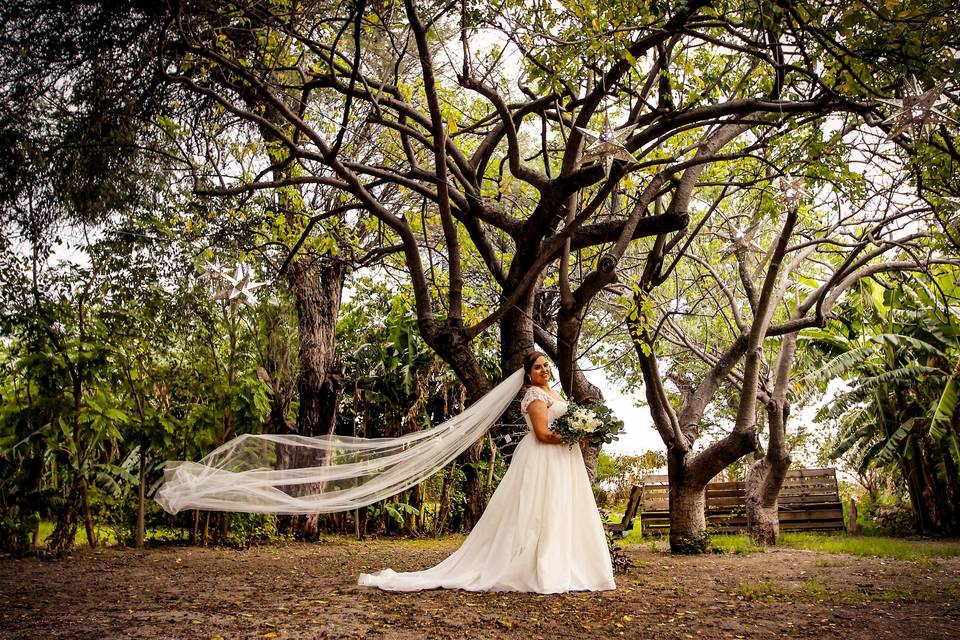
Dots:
(897, 345)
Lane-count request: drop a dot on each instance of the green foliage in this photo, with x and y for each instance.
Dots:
(683, 545)
(398, 385)
(397, 511)
(899, 348)
(248, 529)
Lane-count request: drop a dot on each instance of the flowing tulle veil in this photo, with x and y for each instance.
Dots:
(293, 474)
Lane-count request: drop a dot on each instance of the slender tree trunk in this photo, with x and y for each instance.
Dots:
(194, 528)
(473, 484)
(416, 501)
(913, 475)
(84, 494)
(491, 465)
(763, 520)
(765, 477)
(853, 526)
(87, 514)
(142, 496)
(446, 497)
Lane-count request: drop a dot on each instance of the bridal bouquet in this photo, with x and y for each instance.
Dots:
(597, 423)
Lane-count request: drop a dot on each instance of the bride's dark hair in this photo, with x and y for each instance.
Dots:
(528, 361)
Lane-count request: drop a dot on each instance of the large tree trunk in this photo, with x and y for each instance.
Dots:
(516, 332)
(317, 287)
(688, 501)
(689, 475)
(764, 481)
(473, 485)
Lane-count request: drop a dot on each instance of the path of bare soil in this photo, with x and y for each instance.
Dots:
(309, 591)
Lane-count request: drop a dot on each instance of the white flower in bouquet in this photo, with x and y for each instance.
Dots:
(584, 420)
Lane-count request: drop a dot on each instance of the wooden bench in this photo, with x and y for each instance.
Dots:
(626, 523)
(809, 500)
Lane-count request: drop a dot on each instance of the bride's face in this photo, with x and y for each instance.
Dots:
(540, 372)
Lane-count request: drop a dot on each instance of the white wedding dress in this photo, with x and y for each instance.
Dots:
(541, 531)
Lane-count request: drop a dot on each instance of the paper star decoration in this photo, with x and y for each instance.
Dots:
(792, 189)
(916, 110)
(608, 144)
(237, 288)
(743, 240)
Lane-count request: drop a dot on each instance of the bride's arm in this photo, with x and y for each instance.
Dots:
(537, 410)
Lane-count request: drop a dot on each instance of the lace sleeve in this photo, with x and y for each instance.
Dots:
(534, 393)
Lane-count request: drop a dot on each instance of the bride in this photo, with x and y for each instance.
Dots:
(541, 531)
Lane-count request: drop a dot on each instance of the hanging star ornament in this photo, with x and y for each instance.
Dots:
(213, 270)
(237, 288)
(743, 241)
(792, 189)
(916, 110)
(608, 144)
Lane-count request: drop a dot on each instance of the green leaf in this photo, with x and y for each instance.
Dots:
(892, 446)
(946, 408)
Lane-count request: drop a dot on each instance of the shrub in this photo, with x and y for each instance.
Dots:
(896, 520)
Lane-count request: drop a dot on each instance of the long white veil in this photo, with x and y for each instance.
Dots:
(293, 474)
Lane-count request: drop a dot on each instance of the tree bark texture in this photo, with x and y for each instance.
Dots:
(87, 515)
(452, 344)
(142, 496)
(688, 501)
(65, 530)
(317, 287)
(763, 520)
(765, 477)
(852, 525)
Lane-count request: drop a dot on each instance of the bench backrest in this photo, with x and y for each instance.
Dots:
(809, 499)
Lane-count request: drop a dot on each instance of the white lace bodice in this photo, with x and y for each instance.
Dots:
(556, 407)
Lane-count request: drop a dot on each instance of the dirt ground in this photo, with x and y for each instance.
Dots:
(309, 591)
